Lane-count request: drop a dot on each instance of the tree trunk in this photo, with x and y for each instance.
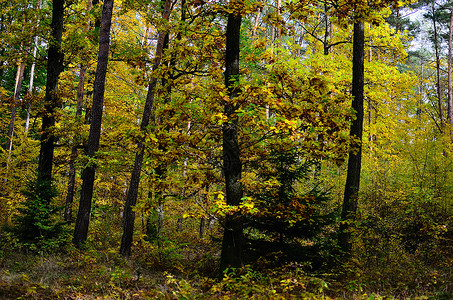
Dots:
(30, 86)
(232, 166)
(202, 227)
(438, 84)
(17, 88)
(351, 191)
(86, 194)
(450, 89)
(72, 171)
(51, 101)
(131, 199)
(32, 75)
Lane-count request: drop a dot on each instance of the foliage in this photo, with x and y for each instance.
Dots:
(293, 119)
(34, 225)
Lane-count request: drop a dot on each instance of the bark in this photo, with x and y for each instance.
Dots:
(325, 43)
(351, 191)
(232, 166)
(438, 84)
(9, 137)
(72, 171)
(88, 174)
(32, 74)
(30, 87)
(202, 228)
(17, 88)
(450, 88)
(255, 26)
(51, 100)
(131, 199)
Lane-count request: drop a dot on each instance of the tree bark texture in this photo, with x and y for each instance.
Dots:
(17, 88)
(450, 87)
(79, 108)
(51, 101)
(88, 174)
(131, 199)
(232, 166)
(438, 83)
(351, 191)
(32, 73)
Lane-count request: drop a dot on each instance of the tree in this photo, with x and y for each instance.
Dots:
(78, 114)
(131, 200)
(450, 85)
(51, 101)
(17, 88)
(88, 173)
(351, 192)
(361, 13)
(232, 167)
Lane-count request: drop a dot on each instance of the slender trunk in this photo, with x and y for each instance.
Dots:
(51, 101)
(71, 186)
(351, 191)
(161, 169)
(32, 75)
(202, 227)
(86, 194)
(30, 86)
(17, 88)
(255, 26)
(326, 32)
(232, 166)
(438, 84)
(370, 105)
(72, 171)
(279, 29)
(131, 199)
(9, 137)
(450, 88)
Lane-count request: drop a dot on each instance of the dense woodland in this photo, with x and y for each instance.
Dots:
(196, 149)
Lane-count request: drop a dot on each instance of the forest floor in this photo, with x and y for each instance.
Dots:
(103, 274)
(94, 274)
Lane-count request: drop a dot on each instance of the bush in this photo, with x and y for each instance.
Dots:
(35, 226)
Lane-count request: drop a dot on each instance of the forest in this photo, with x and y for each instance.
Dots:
(213, 149)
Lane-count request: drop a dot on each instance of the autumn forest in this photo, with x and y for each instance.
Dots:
(197, 149)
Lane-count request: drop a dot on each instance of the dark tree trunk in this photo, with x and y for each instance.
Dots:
(355, 154)
(72, 170)
(202, 227)
(232, 166)
(51, 100)
(71, 186)
(450, 86)
(86, 194)
(131, 199)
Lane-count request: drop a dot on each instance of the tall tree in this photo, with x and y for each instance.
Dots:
(232, 166)
(51, 101)
(17, 88)
(438, 66)
(79, 108)
(32, 73)
(88, 173)
(351, 191)
(450, 85)
(131, 199)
